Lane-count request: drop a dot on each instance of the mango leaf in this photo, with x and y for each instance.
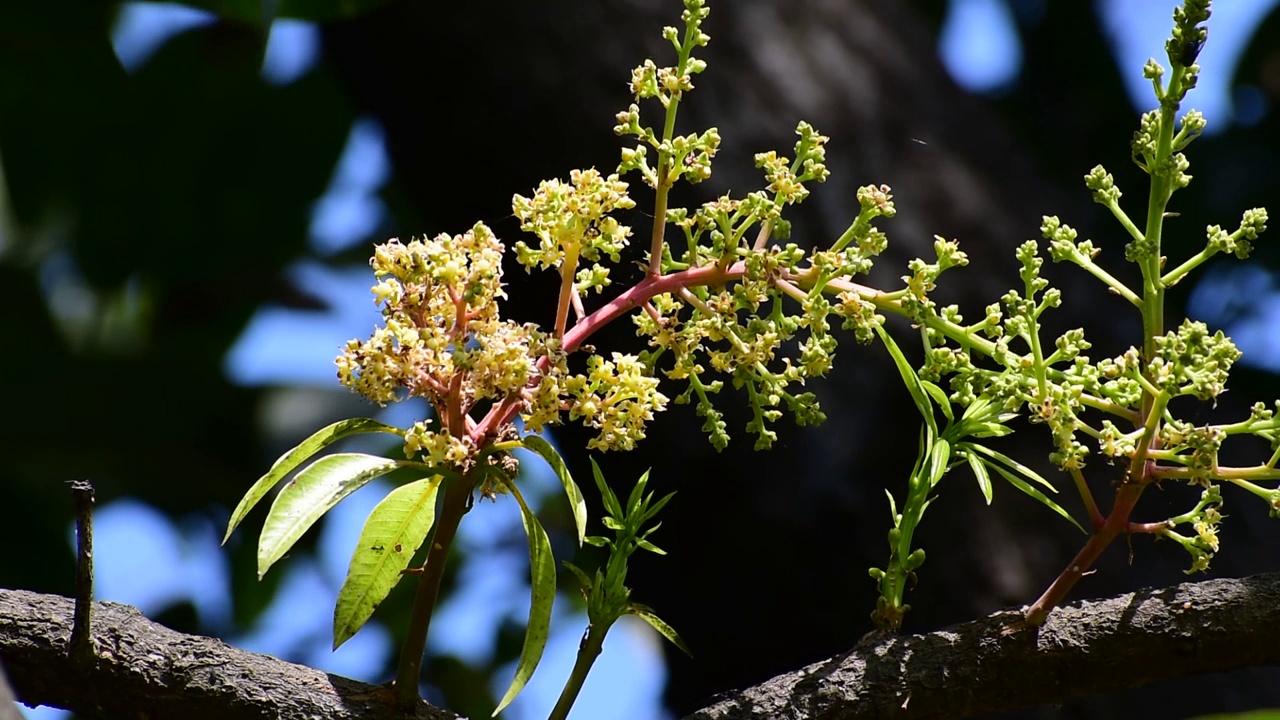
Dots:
(645, 613)
(909, 378)
(295, 457)
(542, 566)
(939, 397)
(939, 456)
(543, 448)
(311, 494)
(1014, 465)
(392, 534)
(980, 472)
(1029, 489)
(610, 500)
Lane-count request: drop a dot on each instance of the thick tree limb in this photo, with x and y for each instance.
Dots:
(991, 664)
(145, 669)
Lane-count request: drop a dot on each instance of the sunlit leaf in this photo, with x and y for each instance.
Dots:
(637, 495)
(571, 491)
(939, 456)
(654, 508)
(980, 472)
(657, 623)
(1030, 489)
(910, 378)
(607, 495)
(650, 547)
(542, 566)
(1014, 465)
(295, 457)
(311, 494)
(392, 534)
(939, 397)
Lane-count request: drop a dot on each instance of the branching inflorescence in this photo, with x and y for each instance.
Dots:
(725, 296)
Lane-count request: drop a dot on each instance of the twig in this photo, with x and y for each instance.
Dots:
(81, 647)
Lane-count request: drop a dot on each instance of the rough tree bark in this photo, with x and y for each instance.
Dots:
(146, 670)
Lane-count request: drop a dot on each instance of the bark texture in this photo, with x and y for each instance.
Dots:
(146, 670)
(995, 664)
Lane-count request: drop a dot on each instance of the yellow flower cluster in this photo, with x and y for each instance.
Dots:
(442, 338)
(571, 220)
(616, 396)
(438, 299)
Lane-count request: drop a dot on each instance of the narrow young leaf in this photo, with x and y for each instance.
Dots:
(939, 457)
(657, 623)
(893, 506)
(1014, 465)
(939, 397)
(543, 448)
(910, 378)
(311, 494)
(542, 566)
(980, 472)
(1030, 489)
(295, 457)
(637, 495)
(392, 534)
(653, 509)
(610, 500)
(645, 544)
(583, 579)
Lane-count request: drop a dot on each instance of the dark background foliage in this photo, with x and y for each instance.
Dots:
(181, 192)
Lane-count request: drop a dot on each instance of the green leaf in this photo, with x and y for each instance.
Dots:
(1029, 489)
(583, 580)
(542, 566)
(650, 547)
(311, 494)
(295, 457)
(980, 472)
(654, 508)
(893, 506)
(543, 448)
(637, 495)
(939, 397)
(392, 534)
(910, 378)
(657, 623)
(1014, 465)
(939, 457)
(606, 493)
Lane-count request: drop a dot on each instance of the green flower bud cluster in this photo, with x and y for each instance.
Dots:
(1238, 242)
(1190, 361)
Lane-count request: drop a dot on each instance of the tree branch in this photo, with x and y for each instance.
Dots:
(143, 669)
(994, 664)
(982, 666)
